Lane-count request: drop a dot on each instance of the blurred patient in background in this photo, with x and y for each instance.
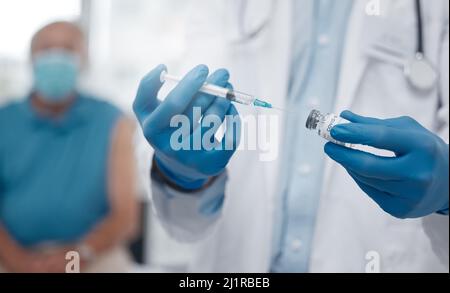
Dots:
(66, 167)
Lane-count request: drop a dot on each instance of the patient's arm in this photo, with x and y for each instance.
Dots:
(120, 225)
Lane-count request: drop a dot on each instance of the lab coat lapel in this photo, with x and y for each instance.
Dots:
(275, 65)
(274, 69)
(363, 29)
(354, 63)
(354, 60)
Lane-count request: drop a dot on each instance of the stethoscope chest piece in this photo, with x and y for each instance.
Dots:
(420, 73)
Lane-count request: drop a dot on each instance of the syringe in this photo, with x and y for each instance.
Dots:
(231, 95)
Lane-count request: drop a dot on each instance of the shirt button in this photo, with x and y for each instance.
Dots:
(314, 102)
(304, 170)
(296, 245)
(324, 40)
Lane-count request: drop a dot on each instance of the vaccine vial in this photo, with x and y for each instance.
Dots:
(323, 123)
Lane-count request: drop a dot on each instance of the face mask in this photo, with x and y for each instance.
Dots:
(55, 75)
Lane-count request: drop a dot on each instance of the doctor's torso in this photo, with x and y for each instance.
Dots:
(349, 225)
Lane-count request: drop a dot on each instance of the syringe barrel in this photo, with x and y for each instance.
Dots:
(209, 89)
(241, 98)
(214, 90)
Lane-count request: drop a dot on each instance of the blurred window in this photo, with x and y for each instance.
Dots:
(19, 20)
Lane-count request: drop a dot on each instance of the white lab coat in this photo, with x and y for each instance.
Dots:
(349, 224)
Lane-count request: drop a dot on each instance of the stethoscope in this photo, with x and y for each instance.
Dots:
(418, 70)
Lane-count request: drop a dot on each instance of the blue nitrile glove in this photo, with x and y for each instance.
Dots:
(188, 169)
(411, 185)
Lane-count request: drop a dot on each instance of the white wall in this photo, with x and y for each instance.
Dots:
(128, 38)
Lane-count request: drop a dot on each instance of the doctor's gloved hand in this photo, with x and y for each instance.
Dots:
(414, 183)
(202, 157)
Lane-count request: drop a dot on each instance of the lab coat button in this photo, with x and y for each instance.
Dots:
(296, 245)
(304, 170)
(314, 103)
(324, 40)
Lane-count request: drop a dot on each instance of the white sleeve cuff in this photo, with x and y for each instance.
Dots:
(188, 217)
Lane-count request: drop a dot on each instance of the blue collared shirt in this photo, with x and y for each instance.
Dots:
(316, 62)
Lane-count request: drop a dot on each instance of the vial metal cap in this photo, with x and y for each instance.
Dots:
(313, 119)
